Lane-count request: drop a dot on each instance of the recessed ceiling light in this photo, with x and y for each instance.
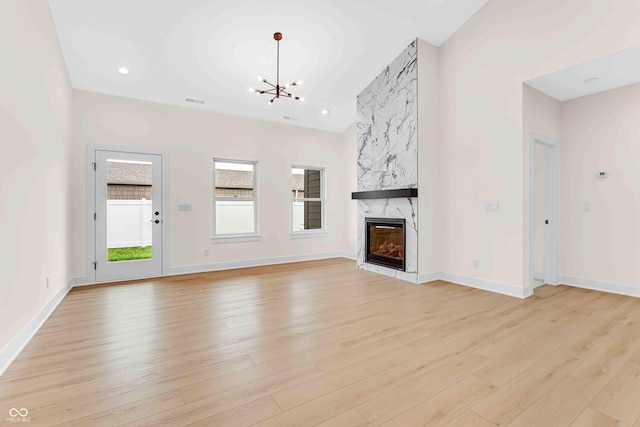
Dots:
(592, 80)
(123, 70)
(325, 112)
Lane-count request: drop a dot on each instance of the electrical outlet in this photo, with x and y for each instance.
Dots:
(206, 252)
(476, 263)
(47, 283)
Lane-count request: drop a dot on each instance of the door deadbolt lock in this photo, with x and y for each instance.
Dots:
(157, 221)
(546, 221)
(157, 213)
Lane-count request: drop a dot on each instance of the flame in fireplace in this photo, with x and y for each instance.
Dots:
(390, 250)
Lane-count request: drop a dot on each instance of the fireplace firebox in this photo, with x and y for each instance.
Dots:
(386, 242)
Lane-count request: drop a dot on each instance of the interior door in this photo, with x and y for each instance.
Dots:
(540, 213)
(545, 210)
(128, 215)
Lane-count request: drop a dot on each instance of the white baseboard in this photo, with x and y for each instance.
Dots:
(348, 255)
(601, 285)
(474, 282)
(13, 348)
(429, 277)
(257, 262)
(538, 274)
(78, 281)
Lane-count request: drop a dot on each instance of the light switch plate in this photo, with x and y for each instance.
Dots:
(586, 207)
(492, 207)
(184, 207)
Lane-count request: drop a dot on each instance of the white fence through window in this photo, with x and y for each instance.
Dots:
(234, 216)
(298, 216)
(128, 223)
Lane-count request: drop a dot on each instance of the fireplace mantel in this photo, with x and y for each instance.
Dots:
(385, 194)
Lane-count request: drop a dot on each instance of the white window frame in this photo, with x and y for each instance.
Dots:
(236, 237)
(321, 232)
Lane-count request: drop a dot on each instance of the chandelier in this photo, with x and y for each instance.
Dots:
(276, 90)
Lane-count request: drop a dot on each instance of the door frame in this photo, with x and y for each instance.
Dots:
(552, 207)
(91, 203)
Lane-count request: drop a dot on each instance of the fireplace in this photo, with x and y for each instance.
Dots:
(385, 242)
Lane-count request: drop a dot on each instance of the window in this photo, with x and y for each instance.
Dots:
(307, 195)
(235, 200)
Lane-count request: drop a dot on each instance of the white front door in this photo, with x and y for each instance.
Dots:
(128, 215)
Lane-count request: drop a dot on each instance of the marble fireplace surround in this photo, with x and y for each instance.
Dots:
(387, 165)
(391, 204)
(390, 208)
(397, 149)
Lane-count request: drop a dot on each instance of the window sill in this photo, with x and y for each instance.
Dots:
(235, 238)
(308, 234)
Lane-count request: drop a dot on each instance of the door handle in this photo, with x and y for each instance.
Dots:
(546, 221)
(157, 221)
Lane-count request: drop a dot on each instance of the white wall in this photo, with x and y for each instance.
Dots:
(601, 132)
(483, 155)
(349, 185)
(429, 191)
(35, 109)
(541, 114)
(192, 137)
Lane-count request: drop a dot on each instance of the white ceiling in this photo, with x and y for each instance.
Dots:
(213, 50)
(612, 71)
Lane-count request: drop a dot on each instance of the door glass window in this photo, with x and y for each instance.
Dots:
(129, 210)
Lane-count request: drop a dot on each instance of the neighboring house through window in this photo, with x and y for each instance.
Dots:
(128, 181)
(307, 199)
(235, 199)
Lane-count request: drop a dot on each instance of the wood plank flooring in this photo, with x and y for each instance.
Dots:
(324, 344)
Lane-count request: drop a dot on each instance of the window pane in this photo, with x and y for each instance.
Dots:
(306, 183)
(297, 189)
(307, 216)
(234, 179)
(312, 184)
(234, 217)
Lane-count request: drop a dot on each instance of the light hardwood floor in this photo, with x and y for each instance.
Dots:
(323, 343)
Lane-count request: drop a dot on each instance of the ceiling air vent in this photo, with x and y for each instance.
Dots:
(293, 119)
(194, 101)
